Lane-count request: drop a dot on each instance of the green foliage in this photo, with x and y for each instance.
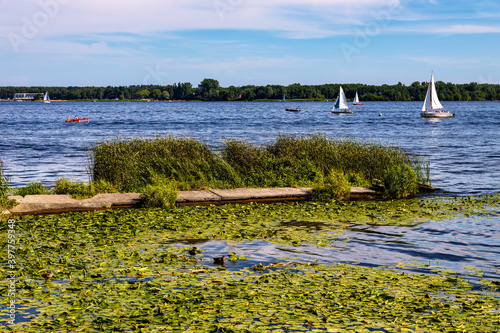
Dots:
(357, 179)
(289, 161)
(33, 188)
(123, 270)
(162, 193)
(128, 164)
(81, 190)
(400, 182)
(210, 90)
(335, 187)
(5, 202)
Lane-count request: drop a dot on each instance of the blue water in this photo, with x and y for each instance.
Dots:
(36, 145)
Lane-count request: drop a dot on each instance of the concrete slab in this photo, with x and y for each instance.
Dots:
(44, 199)
(54, 204)
(260, 193)
(197, 196)
(115, 199)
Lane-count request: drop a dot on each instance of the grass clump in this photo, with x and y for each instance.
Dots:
(335, 187)
(5, 202)
(33, 188)
(127, 163)
(162, 193)
(401, 182)
(289, 161)
(81, 190)
(260, 167)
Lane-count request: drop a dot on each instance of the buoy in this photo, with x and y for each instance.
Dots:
(380, 114)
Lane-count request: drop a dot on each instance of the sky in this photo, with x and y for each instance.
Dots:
(247, 42)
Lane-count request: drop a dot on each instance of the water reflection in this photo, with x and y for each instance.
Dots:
(456, 244)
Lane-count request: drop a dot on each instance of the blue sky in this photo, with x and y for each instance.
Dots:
(240, 42)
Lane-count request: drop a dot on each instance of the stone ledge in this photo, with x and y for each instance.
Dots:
(55, 204)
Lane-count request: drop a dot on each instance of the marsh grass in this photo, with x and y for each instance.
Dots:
(33, 188)
(79, 190)
(127, 163)
(335, 187)
(290, 161)
(5, 202)
(161, 193)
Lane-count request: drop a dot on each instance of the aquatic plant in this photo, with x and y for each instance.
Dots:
(335, 187)
(80, 190)
(161, 193)
(33, 188)
(400, 182)
(125, 163)
(5, 189)
(288, 161)
(118, 270)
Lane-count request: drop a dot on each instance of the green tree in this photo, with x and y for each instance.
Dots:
(143, 94)
(156, 94)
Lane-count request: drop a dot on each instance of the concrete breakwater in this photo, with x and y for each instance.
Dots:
(55, 204)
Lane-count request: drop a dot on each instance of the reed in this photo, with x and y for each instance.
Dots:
(5, 189)
(131, 164)
(33, 188)
(79, 190)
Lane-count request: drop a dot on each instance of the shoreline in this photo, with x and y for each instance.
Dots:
(63, 203)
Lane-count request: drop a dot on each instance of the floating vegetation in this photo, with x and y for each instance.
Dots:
(118, 271)
(290, 161)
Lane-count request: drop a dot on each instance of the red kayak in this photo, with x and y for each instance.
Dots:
(82, 120)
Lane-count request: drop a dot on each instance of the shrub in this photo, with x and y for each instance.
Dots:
(400, 182)
(125, 163)
(33, 188)
(81, 190)
(5, 202)
(288, 161)
(357, 179)
(335, 187)
(161, 193)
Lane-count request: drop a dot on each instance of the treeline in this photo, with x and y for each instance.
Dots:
(210, 90)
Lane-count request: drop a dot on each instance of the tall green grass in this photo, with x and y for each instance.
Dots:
(131, 164)
(5, 189)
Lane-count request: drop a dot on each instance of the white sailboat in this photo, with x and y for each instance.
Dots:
(341, 103)
(356, 100)
(46, 98)
(432, 107)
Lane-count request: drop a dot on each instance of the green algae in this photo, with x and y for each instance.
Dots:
(118, 271)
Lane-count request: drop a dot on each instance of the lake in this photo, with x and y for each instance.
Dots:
(36, 145)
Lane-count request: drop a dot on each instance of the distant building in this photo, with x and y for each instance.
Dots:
(25, 96)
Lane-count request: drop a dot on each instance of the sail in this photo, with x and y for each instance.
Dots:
(431, 99)
(356, 98)
(46, 98)
(340, 102)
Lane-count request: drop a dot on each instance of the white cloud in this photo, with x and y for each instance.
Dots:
(467, 29)
(305, 18)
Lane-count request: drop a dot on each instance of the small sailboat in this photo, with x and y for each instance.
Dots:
(46, 98)
(432, 107)
(341, 103)
(356, 100)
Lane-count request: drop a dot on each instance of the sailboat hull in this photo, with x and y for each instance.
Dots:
(437, 114)
(342, 111)
(357, 103)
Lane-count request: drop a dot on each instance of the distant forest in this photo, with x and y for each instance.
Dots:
(210, 90)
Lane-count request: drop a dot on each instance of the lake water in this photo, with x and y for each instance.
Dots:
(36, 145)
